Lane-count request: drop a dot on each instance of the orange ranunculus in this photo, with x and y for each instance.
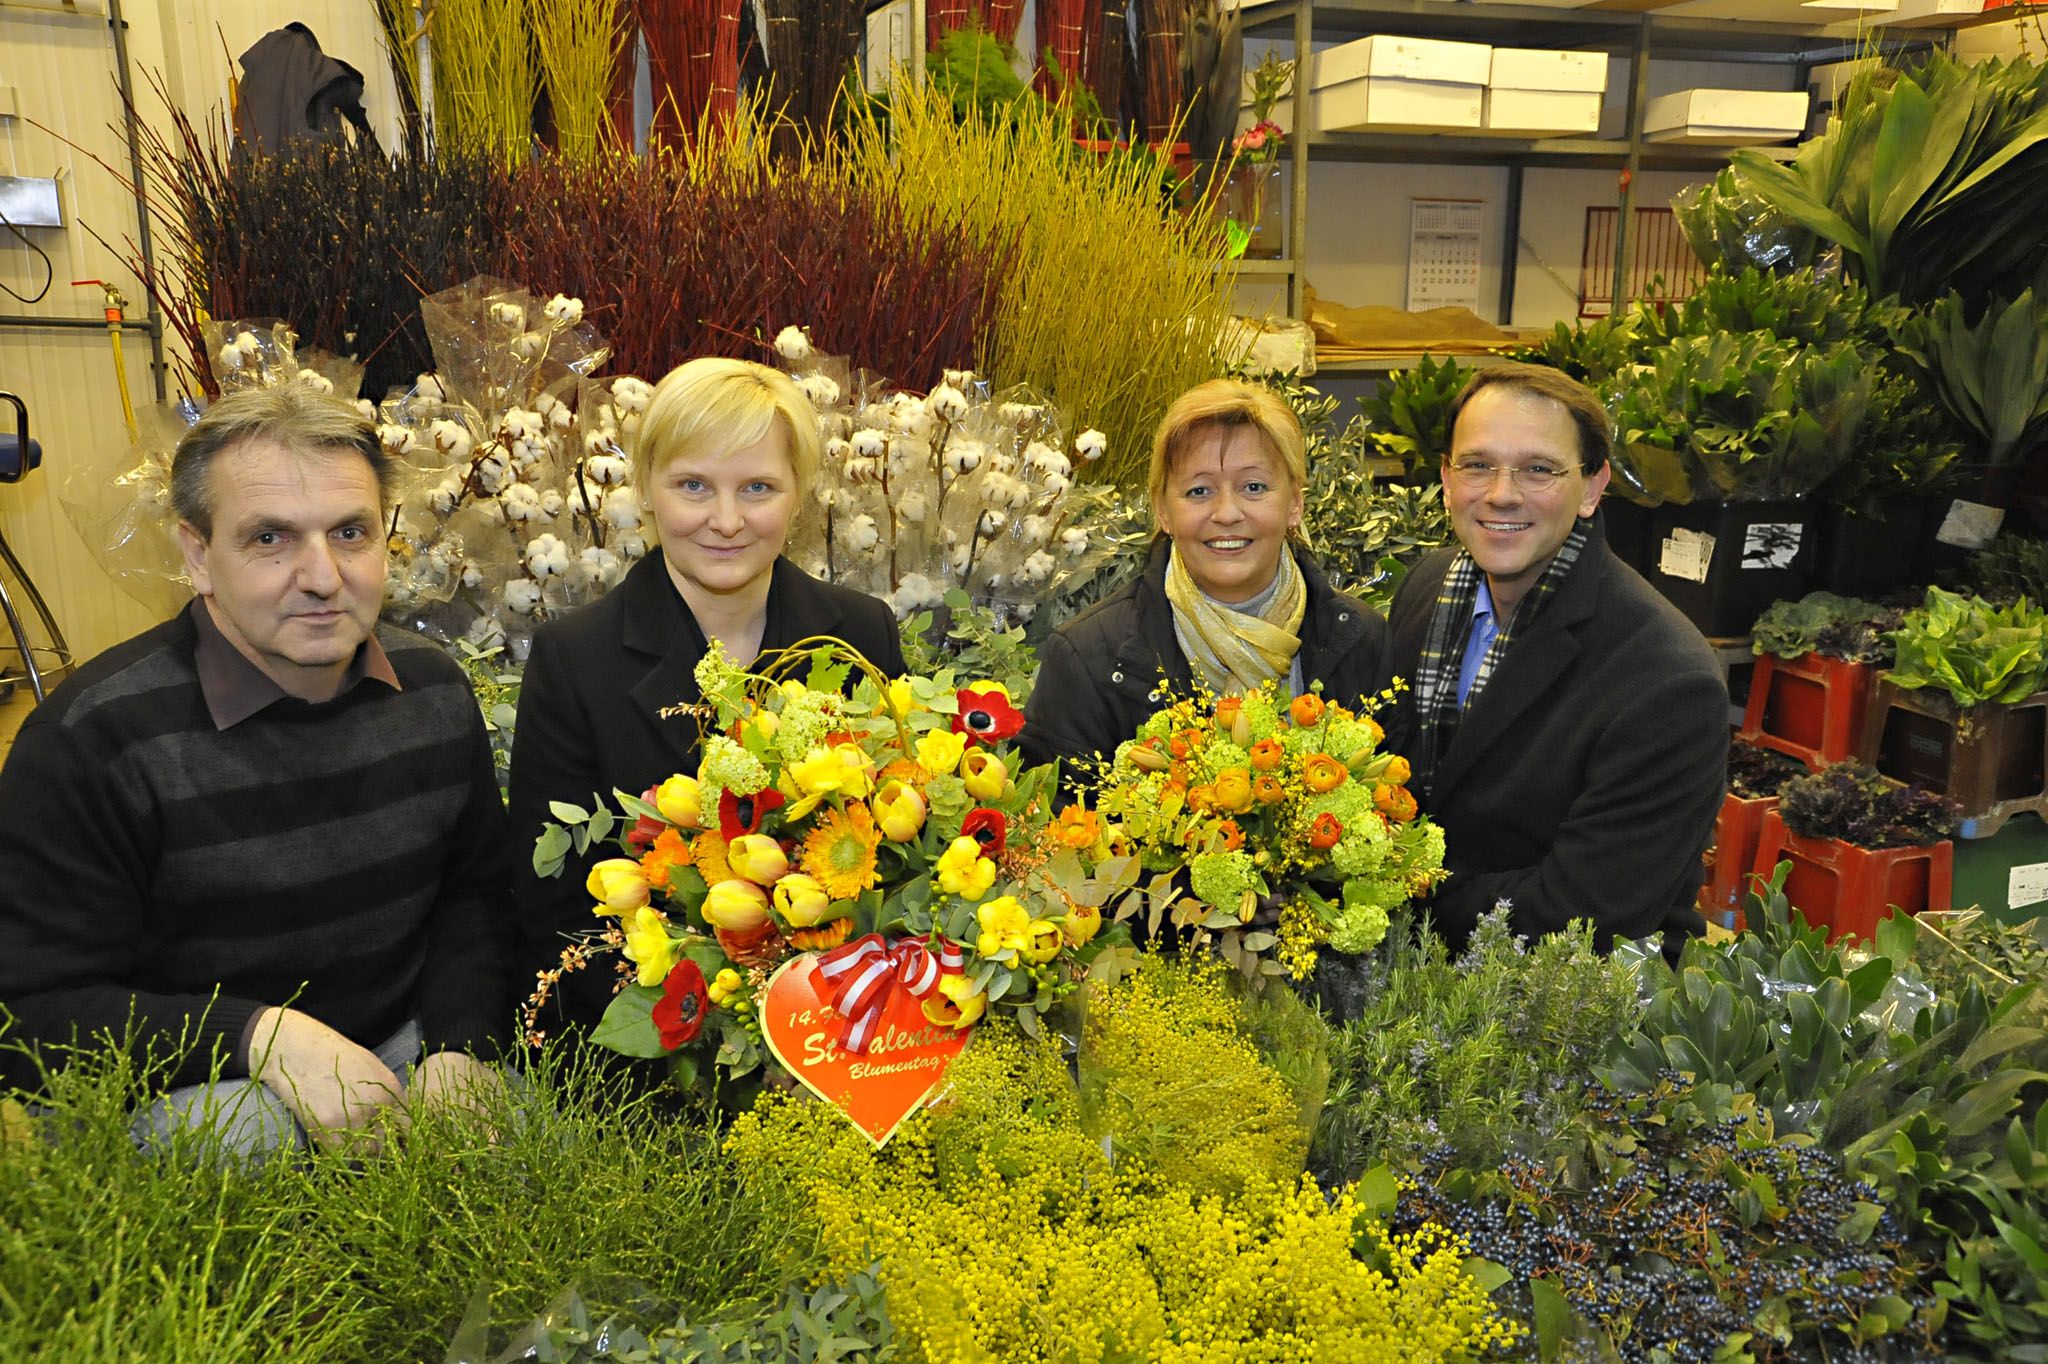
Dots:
(1184, 743)
(1202, 799)
(1395, 802)
(1227, 708)
(1267, 755)
(1234, 790)
(1305, 709)
(1267, 789)
(1321, 772)
(1373, 728)
(1324, 831)
(1229, 835)
(1077, 826)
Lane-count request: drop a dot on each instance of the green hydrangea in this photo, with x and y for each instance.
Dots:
(1346, 736)
(1262, 713)
(805, 721)
(1221, 753)
(1222, 878)
(723, 683)
(728, 767)
(1359, 928)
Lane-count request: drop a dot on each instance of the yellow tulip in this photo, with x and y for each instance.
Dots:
(736, 906)
(1043, 941)
(801, 900)
(1081, 924)
(899, 811)
(957, 1003)
(902, 700)
(963, 871)
(758, 857)
(677, 799)
(619, 883)
(939, 751)
(649, 946)
(985, 774)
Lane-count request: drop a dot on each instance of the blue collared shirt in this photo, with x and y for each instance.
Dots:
(1478, 642)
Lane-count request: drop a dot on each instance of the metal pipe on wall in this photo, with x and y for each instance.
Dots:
(155, 322)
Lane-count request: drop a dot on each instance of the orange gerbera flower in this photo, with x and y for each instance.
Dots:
(707, 850)
(1268, 789)
(1229, 835)
(669, 852)
(1321, 772)
(1267, 755)
(1077, 826)
(840, 850)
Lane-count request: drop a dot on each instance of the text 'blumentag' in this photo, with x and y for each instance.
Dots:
(904, 1064)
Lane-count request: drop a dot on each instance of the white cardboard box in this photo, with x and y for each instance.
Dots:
(1727, 117)
(1386, 83)
(1540, 92)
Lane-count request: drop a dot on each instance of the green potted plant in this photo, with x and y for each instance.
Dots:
(1755, 776)
(1859, 845)
(1816, 661)
(1411, 411)
(1962, 710)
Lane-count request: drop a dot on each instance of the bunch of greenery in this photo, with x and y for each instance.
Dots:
(971, 641)
(1909, 446)
(1732, 227)
(1803, 307)
(1927, 180)
(1848, 628)
(108, 1253)
(496, 684)
(1591, 352)
(1990, 375)
(1756, 773)
(1683, 1239)
(1412, 411)
(1485, 1052)
(1001, 1227)
(2010, 567)
(1853, 804)
(842, 1323)
(1972, 650)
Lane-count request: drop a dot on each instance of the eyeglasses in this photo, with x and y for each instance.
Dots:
(1540, 477)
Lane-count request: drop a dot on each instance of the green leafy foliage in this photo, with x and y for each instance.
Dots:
(832, 1324)
(1591, 352)
(2011, 567)
(1851, 802)
(1972, 650)
(1821, 622)
(1800, 307)
(1412, 410)
(973, 643)
(1991, 376)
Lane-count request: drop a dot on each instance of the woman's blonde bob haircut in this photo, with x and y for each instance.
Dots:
(1220, 404)
(712, 406)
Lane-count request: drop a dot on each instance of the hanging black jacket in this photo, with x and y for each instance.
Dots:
(291, 89)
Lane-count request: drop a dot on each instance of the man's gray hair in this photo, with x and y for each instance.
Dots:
(298, 418)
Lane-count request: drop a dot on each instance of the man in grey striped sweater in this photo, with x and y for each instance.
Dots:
(265, 837)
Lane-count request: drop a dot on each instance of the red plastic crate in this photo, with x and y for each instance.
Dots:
(1811, 707)
(1732, 857)
(1847, 889)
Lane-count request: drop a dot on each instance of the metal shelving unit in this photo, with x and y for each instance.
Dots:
(1639, 37)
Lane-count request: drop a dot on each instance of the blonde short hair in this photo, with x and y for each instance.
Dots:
(1223, 403)
(714, 405)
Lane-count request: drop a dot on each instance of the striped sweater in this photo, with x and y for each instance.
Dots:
(348, 858)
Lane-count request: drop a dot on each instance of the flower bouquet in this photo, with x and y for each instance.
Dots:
(885, 830)
(1265, 799)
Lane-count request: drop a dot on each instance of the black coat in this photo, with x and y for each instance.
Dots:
(1099, 674)
(589, 722)
(1584, 781)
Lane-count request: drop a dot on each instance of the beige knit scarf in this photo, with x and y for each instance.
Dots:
(1235, 651)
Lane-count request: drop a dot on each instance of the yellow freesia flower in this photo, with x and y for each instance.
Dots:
(649, 946)
(724, 986)
(939, 751)
(902, 700)
(963, 871)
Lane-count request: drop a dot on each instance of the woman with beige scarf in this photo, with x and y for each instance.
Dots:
(1229, 597)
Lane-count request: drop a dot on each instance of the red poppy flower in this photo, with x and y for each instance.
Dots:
(1324, 831)
(987, 827)
(684, 1005)
(743, 814)
(987, 716)
(645, 830)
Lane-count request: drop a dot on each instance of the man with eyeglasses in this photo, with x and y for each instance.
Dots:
(1566, 726)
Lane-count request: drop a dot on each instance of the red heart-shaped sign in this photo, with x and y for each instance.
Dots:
(904, 1063)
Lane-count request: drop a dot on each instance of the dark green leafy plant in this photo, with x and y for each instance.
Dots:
(1591, 352)
(1851, 802)
(836, 1323)
(1412, 411)
(1755, 773)
(1802, 307)
(1991, 376)
(1972, 650)
(1822, 622)
(2011, 567)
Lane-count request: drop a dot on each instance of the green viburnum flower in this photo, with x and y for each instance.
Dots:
(1222, 878)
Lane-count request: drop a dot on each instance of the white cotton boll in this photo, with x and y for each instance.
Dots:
(622, 509)
(1020, 414)
(397, 440)
(1073, 542)
(1034, 529)
(632, 546)
(552, 504)
(446, 495)
(522, 596)
(908, 415)
(860, 471)
(1013, 493)
(913, 593)
(399, 593)
(1090, 445)
(520, 502)
(913, 509)
(509, 315)
(965, 456)
(451, 438)
(1037, 567)
(527, 456)
(428, 389)
(946, 403)
(1057, 483)
(956, 559)
(315, 380)
(494, 472)
(844, 503)
(230, 359)
(248, 343)
(529, 345)
(1041, 458)
(563, 311)
(607, 471)
(490, 510)
(472, 575)
(547, 557)
(520, 424)
(600, 566)
(990, 523)
(367, 408)
(631, 395)
(904, 457)
(1000, 462)
(600, 442)
(837, 449)
(793, 343)
(869, 443)
(863, 535)
(958, 378)
(822, 391)
(560, 418)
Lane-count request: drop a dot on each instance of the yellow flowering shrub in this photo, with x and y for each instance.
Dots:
(1002, 1232)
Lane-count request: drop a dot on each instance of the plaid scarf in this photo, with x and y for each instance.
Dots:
(1443, 650)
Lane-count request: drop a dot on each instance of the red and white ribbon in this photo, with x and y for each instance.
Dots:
(865, 972)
